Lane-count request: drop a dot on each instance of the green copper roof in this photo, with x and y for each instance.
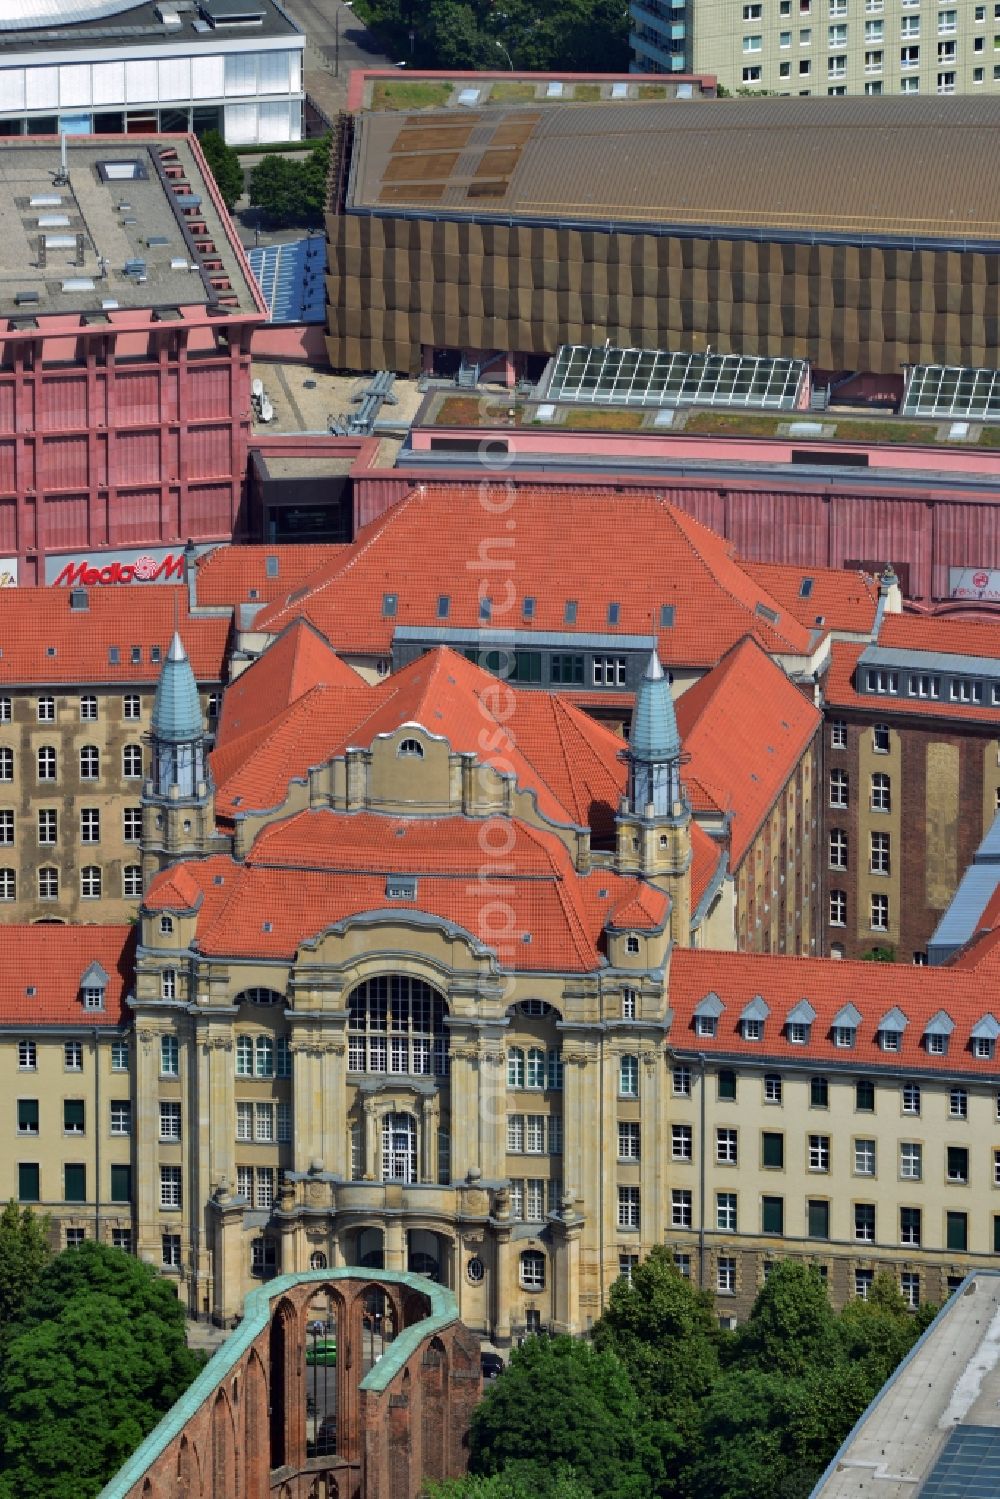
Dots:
(256, 1314)
(654, 734)
(177, 707)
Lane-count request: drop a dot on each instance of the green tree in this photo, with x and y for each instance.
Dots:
(225, 167)
(516, 1481)
(666, 1334)
(791, 1328)
(97, 1357)
(292, 192)
(570, 35)
(562, 1401)
(24, 1253)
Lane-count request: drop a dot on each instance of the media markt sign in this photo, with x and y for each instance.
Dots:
(979, 583)
(152, 565)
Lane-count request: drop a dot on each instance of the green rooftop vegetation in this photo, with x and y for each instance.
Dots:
(506, 91)
(404, 93)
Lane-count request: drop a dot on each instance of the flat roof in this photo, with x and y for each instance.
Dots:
(911, 171)
(944, 1396)
(62, 25)
(125, 211)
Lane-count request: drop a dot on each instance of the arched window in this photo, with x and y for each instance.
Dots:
(536, 1068)
(132, 881)
(628, 1077)
(259, 997)
(399, 1148)
(90, 881)
(317, 1260)
(6, 764)
(46, 759)
(48, 883)
(90, 762)
(411, 747)
(515, 1067)
(533, 1008)
(132, 761)
(533, 1270)
(396, 1024)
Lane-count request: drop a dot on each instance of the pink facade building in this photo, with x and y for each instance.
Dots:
(126, 313)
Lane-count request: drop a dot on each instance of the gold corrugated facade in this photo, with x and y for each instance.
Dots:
(396, 284)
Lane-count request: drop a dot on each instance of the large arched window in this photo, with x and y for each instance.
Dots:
(259, 997)
(399, 1148)
(396, 1025)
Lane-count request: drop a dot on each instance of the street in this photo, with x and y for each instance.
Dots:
(319, 20)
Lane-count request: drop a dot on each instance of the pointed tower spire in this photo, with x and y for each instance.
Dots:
(177, 729)
(654, 747)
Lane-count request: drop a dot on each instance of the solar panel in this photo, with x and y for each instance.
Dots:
(291, 279)
(652, 377)
(952, 391)
(968, 1468)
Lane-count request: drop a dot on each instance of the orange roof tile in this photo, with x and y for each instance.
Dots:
(340, 864)
(298, 659)
(51, 960)
(548, 544)
(240, 574)
(745, 727)
(840, 692)
(44, 641)
(949, 637)
(836, 599)
(706, 857)
(873, 988)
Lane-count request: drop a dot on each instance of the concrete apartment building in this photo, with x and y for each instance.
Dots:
(828, 47)
(78, 675)
(911, 749)
(114, 67)
(66, 1068)
(126, 309)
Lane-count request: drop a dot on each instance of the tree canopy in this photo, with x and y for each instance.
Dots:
(92, 1362)
(580, 36)
(225, 167)
(663, 1403)
(289, 191)
(24, 1253)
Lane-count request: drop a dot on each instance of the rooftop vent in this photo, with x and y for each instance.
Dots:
(60, 242)
(135, 267)
(53, 221)
(401, 887)
(26, 299)
(122, 169)
(79, 283)
(157, 240)
(45, 200)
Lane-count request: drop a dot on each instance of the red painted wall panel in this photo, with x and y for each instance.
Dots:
(135, 457)
(208, 390)
(7, 405)
(8, 526)
(136, 395)
(207, 452)
(64, 522)
(204, 506)
(62, 403)
(7, 465)
(964, 536)
(135, 516)
(64, 462)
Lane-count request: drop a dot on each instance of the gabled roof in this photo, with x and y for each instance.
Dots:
(828, 598)
(298, 659)
(783, 981)
(590, 546)
(257, 574)
(44, 641)
(744, 727)
(43, 968)
(321, 868)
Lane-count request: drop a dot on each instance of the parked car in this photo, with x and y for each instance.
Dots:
(321, 1351)
(492, 1365)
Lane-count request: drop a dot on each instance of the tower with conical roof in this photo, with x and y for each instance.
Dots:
(654, 820)
(178, 815)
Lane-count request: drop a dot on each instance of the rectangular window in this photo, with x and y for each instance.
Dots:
(680, 1208)
(725, 1212)
(682, 1147)
(880, 913)
(263, 1123)
(838, 733)
(957, 1231)
(838, 908)
(772, 1087)
(863, 1282)
(727, 1085)
(864, 1095)
(534, 1134)
(879, 853)
(911, 1160)
(73, 1056)
(682, 1083)
(819, 1093)
(515, 1133)
(909, 1227)
(838, 849)
(171, 1251)
(958, 1163)
(818, 1219)
(609, 671)
(628, 1142)
(772, 1150)
(566, 670)
(628, 1207)
(909, 1285)
(73, 1116)
(726, 1146)
(28, 1189)
(772, 1215)
(170, 1059)
(864, 1222)
(725, 1275)
(121, 1183)
(121, 1116)
(119, 1056)
(911, 1099)
(819, 1152)
(27, 1116)
(958, 1103)
(864, 1157)
(839, 788)
(75, 1183)
(121, 1238)
(170, 1186)
(132, 824)
(170, 1120)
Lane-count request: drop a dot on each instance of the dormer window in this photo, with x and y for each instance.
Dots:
(93, 998)
(753, 1030)
(401, 887)
(937, 1032)
(843, 1036)
(705, 1025)
(891, 1028)
(798, 1025)
(983, 1048)
(706, 1015)
(752, 1020)
(984, 1040)
(411, 747)
(889, 1040)
(632, 945)
(93, 984)
(166, 925)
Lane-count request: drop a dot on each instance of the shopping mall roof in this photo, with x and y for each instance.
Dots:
(908, 171)
(111, 25)
(126, 227)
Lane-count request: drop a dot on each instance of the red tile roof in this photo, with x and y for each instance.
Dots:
(842, 600)
(44, 641)
(589, 545)
(300, 658)
(745, 727)
(873, 988)
(949, 637)
(340, 863)
(52, 960)
(239, 574)
(706, 857)
(840, 692)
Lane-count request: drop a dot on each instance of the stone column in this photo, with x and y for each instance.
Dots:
(371, 1164)
(463, 1081)
(225, 1228)
(566, 1231)
(430, 1113)
(147, 1134)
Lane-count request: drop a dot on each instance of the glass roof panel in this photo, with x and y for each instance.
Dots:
(652, 377)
